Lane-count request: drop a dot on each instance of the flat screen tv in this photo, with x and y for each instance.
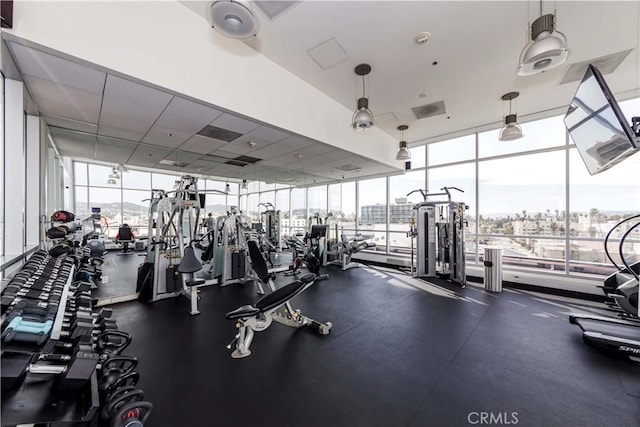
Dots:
(597, 126)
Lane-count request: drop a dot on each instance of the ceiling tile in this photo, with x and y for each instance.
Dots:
(268, 134)
(166, 137)
(328, 54)
(128, 134)
(183, 156)
(235, 124)
(64, 101)
(314, 150)
(149, 154)
(71, 124)
(194, 111)
(113, 151)
(201, 144)
(126, 91)
(55, 69)
(222, 153)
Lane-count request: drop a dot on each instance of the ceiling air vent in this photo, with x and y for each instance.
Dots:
(348, 168)
(273, 8)
(173, 163)
(606, 65)
(242, 161)
(429, 110)
(219, 133)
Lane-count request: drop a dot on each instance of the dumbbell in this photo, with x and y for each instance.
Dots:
(112, 343)
(74, 374)
(133, 414)
(23, 330)
(119, 398)
(53, 296)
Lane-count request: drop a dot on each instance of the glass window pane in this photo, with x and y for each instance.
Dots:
(521, 195)
(99, 175)
(162, 181)
(334, 201)
(252, 206)
(82, 208)
(372, 203)
(546, 255)
(588, 256)
(418, 158)
(80, 173)
(459, 176)
(318, 201)
(267, 197)
(279, 186)
(298, 221)
(135, 211)
(264, 186)
(108, 200)
(210, 184)
(452, 150)
(243, 203)
(348, 206)
(401, 207)
(136, 180)
(282, 202)
(254, 186)
(538, 134)
(216, 204)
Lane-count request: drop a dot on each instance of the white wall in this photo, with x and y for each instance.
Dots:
(14, 183)
(32, 193)
(167, 44)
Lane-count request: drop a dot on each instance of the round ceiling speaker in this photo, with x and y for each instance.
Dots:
(234, 19)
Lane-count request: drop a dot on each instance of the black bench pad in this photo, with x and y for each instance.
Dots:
(194, 282)
(244, 311)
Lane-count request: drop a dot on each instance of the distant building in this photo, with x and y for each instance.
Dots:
(399, 213)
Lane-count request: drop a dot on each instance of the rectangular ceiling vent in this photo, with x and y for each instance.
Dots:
(348, 168)
(219, 133)
(273, 8)
(429, 110)
(173, 163)
(242, 161)
(606, 64)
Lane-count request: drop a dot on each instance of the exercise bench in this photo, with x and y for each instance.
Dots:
(274, 306)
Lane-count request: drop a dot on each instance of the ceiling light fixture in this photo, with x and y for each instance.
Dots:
(114, 174)
(403, 153)
(227, 188)
(234, 19)
(111, 181)
(363, 117)
(511, 129)
(547, 48)
(244, 185)
(122, 168)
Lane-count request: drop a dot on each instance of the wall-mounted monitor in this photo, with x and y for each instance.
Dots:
(597, 126)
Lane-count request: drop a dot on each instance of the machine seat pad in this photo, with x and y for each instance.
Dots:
(244, 311)
(280, 296)
(307, 278)
(194, 282)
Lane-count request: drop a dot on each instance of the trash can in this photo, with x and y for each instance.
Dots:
(493, 269)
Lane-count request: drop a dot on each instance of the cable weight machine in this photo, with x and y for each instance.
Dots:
(437, 227)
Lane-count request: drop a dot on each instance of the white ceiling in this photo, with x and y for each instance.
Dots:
(476, 45)
(96, 114)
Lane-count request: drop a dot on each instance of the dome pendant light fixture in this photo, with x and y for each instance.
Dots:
(363, 117)
(403, 153)
(114, 174)
(111, 181)
(234, 19)
(547, 48)
(244, 185)
(511, 129)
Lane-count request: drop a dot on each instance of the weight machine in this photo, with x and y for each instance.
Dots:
(340, 248)
(270, 220)
(173, 224)
(438, 230)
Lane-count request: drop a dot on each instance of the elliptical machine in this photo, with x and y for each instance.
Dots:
(623, 285)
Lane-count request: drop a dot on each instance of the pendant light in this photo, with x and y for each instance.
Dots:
(511, 129)
(403, 153)
(363, 117)
(547, 48)
(111, 181)
(244, 185)
(114, 174)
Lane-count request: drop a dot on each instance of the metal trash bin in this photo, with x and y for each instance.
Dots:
(493, 269)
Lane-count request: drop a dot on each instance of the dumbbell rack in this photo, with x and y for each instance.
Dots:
(37, 399)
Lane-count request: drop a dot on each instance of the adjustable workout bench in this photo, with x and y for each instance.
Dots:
(258, 317)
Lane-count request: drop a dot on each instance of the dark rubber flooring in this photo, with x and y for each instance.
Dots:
(119, 273)
(397, 356)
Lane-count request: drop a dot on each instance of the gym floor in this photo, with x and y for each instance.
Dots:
(402, 352)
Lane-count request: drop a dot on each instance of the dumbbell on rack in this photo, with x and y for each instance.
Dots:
(73, 374)
(126, 407)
